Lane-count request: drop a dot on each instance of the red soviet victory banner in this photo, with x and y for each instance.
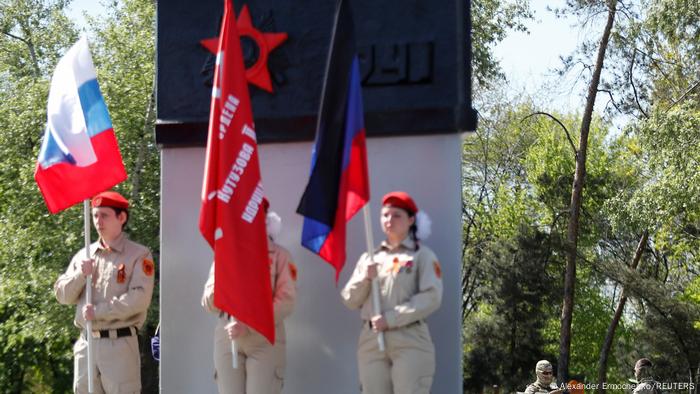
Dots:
(231, 218)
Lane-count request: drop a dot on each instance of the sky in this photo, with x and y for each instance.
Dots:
(91, 7)
(529, 60)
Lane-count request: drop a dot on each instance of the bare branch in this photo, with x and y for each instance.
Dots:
(566, 131)
(7, 33)
(634, 88)
(30, 47)
(695, 85)
(612, 100)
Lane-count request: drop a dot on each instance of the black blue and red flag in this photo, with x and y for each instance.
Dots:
(339, 182)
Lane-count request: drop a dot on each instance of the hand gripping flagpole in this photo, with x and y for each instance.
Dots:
(376, 305)
(88, 296)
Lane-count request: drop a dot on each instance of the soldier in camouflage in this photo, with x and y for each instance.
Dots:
(545, 379)
(645, 381)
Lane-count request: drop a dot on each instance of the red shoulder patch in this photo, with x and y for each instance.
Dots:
(438, 270)
(293, 271)
(148, 267)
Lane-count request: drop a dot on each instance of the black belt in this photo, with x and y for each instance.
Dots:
(369, 325)
(120, 332)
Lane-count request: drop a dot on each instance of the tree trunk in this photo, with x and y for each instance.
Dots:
(607, 345)
(575, 207)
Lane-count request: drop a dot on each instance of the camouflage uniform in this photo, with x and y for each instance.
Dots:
(643, 374)
(544, 383)
(538, 388)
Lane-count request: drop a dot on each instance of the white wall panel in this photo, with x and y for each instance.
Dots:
(322, 333)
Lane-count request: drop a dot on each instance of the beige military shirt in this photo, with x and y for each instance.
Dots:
(122, 284)
(410, 284)
(282, 276)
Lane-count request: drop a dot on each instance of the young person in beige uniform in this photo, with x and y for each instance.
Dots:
(260, 365)
(410, 290)
(122, 285)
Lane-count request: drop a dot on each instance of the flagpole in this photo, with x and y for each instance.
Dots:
(376, 305)
(234, 354)
(88, 295)
(234, 348)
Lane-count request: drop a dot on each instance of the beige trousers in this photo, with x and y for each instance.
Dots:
(407, 366)
(260, 365)
(116, 369)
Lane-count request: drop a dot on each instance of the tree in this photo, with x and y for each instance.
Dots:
(33, 330)
(576, 196)
(666, 203)
(516, 179)
(508, 333)
(656, 53)
(637, 231)
(36, 333)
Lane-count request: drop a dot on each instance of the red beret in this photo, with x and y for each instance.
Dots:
(266, 204)
(110, 199)
(401, 200)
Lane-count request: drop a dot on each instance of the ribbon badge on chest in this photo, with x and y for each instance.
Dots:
(398, 266)
(121, 273)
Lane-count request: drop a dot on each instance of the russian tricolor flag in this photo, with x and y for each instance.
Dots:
(79, 155)
(339, 183)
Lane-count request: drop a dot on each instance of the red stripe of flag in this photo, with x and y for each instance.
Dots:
(65, 184)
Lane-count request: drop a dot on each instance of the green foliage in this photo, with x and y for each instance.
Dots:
(36, 333)
(592, 315)
(666, 201)
(30, 44)
(517, 184)
(692, 295)
(505, 338)
(517, 179)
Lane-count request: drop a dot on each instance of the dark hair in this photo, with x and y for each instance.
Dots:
(413, 230)
(118, 211)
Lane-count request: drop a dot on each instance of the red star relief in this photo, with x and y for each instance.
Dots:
(258, 74)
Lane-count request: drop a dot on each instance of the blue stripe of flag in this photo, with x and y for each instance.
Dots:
(94, 108)
(96, 117)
